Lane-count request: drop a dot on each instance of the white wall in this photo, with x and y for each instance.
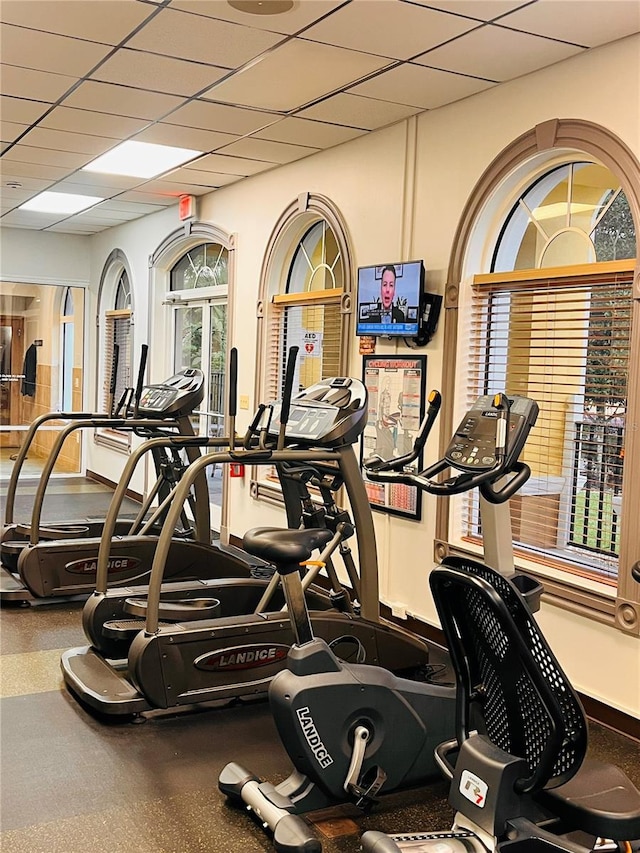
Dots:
(44, 258)
(402, 191)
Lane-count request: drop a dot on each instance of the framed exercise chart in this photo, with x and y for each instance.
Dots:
(396, 388)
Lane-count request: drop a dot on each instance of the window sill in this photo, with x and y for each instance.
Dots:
(580, 595)
(114, 440)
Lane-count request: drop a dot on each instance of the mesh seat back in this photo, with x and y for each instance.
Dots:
(509, 684)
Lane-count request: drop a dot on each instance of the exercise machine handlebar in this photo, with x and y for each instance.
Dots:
(489, 478)
(286, 395)
(113, 379)
(144, 353)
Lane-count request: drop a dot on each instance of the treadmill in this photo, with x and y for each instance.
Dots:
(52, 562)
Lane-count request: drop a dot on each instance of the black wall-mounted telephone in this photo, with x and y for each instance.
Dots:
(431, 305)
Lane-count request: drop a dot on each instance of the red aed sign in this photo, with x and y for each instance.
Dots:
(186, 207)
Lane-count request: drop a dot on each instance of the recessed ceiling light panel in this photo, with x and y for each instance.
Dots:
(141, 159)
(50, 202)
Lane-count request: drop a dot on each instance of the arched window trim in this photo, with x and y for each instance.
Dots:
(176, 244)
(554, 141)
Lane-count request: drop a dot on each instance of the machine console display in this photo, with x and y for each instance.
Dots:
(177, 396)
(474, 442)
(331, 413)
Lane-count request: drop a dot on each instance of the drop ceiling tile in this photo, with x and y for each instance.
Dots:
(92, 123)
(127, 215)
(355, 111)
(481, 10)
(165, 74)
(107, 21)
(11, 130)
(32, 170)
(315, 134)
(96, 216)
(140, 196)
(204, 179)
(232, 165)
(129, 207)
(60, 140)
(82, 184)
(319, 69)
(388, 28)
(68, 227)
(120, 100)
(47, 52)
(496, 53)
(221, 117)
(37, 85)
(419, 86)
(17, 196)
(300, 16)
(31, 184)
(591, 24)
(42, 156)
(270, 152)
(177, 188)
(30, 219)
(185, 137)
(21, 110)
(176, 33)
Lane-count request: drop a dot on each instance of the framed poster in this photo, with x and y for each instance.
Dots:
(396, 387)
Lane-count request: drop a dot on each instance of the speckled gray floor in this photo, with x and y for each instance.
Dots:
(72, 784)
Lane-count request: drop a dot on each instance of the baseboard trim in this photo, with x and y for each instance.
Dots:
(92, 475)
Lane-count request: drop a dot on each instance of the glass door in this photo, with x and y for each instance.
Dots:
(200, 341)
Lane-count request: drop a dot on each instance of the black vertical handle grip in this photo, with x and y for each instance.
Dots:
(141, 369)
(285, 406)
(502, 404)
(233, 382)
(287, 391)
(114, 370)
(113, 379)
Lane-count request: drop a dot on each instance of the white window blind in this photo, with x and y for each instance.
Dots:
(117, 331)
(564, 339)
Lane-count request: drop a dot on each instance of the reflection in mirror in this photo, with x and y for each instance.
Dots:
(42, 369)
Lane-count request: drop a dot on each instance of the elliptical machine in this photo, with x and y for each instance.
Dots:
(356, 732)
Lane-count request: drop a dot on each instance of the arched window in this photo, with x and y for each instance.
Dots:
(115, 342)
(576, 213)
(206, 265)
(195, 272)
(560, 332)
(549, 308)
(305, 298)
(309, 309)
(118, 340)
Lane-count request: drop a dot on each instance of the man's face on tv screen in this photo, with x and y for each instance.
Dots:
(388, 289)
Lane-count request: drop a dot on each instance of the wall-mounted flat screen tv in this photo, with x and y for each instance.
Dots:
(389, 299)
